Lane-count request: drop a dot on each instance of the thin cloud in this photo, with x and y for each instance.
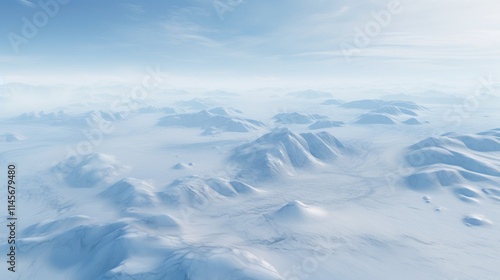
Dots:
(134, 10)
(27, 3)
(188, 32)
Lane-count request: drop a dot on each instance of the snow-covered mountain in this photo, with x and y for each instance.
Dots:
(155, 109)
(281, 151)
(297, 118)
(322, 124)
(412, 121)
(88, 170)
(194, 191)
(218, 119)
(155, 199)
(383, 106)
(386, 112)
(371, 118)
(394, 110)
(465, 164)
(130, 192)
(76, 120)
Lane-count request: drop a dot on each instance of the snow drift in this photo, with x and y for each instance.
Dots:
(298, 212)
(182, 165)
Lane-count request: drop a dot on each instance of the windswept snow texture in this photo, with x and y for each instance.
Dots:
(281, 152)
(476, 221)
(213, 263)
(466, 164)
(297, 118)
(217, 119)
(120, 250)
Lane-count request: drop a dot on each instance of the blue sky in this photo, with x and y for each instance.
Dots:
(285, 40)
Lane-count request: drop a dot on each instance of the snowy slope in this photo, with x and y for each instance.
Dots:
(218, 119)
(297, 118)
(382, 105)
(466, 164)
(155, 199)
(281, 151)
(375, 119)
(322, 124)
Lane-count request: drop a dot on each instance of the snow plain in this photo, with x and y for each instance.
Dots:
(216, 186)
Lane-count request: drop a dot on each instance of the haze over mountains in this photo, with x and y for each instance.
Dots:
(226, 188)
(250, 140)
